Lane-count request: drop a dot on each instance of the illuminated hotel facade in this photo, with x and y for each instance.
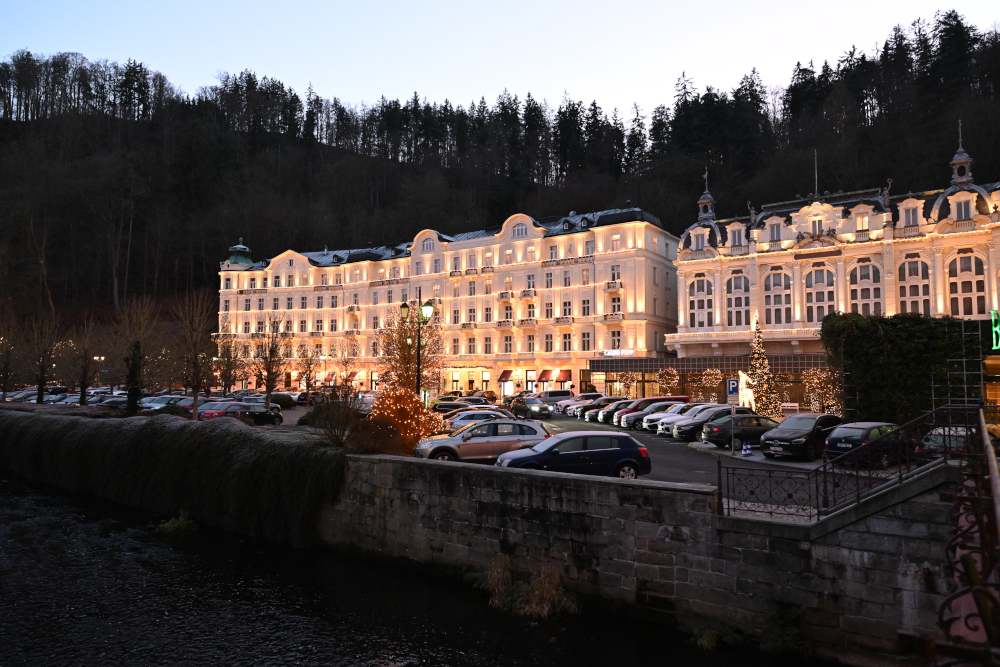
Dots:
(526, 305)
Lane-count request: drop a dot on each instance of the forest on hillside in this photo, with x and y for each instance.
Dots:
(113, 183)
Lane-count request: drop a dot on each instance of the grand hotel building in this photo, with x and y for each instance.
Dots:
(869, 251)
(528, 304)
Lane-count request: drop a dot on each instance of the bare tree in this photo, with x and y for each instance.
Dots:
(137, 329)
(345, 355)
(230, 364)
(81, 353)
(196, 319)
(270, 351)
(307, 362)
(397, 344)
(41, 340)
(11, 343)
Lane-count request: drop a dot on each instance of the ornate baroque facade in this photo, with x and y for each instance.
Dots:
(527, 304)
(868, 251)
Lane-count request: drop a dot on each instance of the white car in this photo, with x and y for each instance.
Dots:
(579, 399)
(666, 425)
(650, 421)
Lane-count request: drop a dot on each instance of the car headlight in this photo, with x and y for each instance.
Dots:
(503, 464)
(798, 441)
(423, 445)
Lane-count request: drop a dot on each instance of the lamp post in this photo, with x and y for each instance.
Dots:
(423, 317)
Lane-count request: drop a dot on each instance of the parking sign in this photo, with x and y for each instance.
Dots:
(733, 391)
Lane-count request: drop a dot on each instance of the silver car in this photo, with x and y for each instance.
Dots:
(482, 442)
(666, 425)
(651, 421)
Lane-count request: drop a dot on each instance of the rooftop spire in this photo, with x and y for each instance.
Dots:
(961, 164)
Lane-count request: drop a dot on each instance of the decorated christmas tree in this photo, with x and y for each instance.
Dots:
(765, 395)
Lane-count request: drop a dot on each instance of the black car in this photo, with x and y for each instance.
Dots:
(690, 428)
(801, 435)
(256, 413)
(507, 400)
(585, 453)
(527, 406)
(448, 406)
(847, 437)
(745, 428)
(599, 404)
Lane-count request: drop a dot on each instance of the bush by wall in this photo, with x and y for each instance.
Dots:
(283, 401)
(221, 472)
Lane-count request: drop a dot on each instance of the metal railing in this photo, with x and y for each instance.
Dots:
(945, 434)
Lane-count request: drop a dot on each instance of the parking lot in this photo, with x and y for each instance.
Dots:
(679, 461)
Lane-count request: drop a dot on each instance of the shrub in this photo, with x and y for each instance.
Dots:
(402, 406)
(175, 410)
(377, 435)
(336, 415)
(541, 597)
(180, 526)
(283, 401)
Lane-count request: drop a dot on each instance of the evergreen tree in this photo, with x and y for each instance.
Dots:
(765, 394)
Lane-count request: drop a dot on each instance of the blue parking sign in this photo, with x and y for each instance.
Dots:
(733, 391)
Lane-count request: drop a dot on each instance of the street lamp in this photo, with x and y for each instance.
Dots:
(424, 316)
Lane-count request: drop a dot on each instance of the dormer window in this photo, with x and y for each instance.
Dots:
(699, 242)
(566, 226)
(962, 210)
(775, 232)
(736, 237)
(910, 218)
(862, 222)
(428, 244)
(817, 226)
(520, 230)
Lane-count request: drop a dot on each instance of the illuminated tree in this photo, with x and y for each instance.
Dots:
(710, 379)
(627, 380)
(669, 380)
(402, 406)
(822, 390)
(766, 401)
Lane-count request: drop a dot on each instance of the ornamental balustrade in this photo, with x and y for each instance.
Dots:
(613, 286)
(613, 317)
(564, 320)
(567, 261)
(528, 293)
(327, 288)
(258, 290)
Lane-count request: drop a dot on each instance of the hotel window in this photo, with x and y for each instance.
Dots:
(338, 279)
(289, 281)
(508, 256)
(225, 305)
(616, 242)
(616, 304)
(470, 261)
(736, 237)
(324, 280)
(454, 346)
(260, 304)
(914, 288)
(454, 290)
(488, 287)
(471, 346)
(531, 342)
(472, 315)
(263, 282)
(566, 281)
(455, 318)
(303, 326)
(508, 312)
(253, 283)
(738, 301)
(357, 275)
(861, 222)
(531, 310)
(655, 311)
(333, 301)
(456, 263)
(589, 245)
(488, 345)
(778, 293)
(288, 327)
(656, 280)
(374, 298)
(333, 325)
(548, 309)
(910, 217)
(374, 321)
(472, 288)
(616, 272)
(508, 344)
(437, 266)
(699, 241)
(553, 252)
(318, 325)
(616, 340)
(567, 308)
(428, 244)
(319, 302)
(508, 283)
(228, 282)
(388, 296)
(531, 253)
(246, 327)
(487, 314)
(530, 281)
(246, 304)
(276, 326)
(355, 298)
(586, 277)
(775, 232)
(548, 280)
(548, 342)
(699, 303)
(419, 268)
(304, 303)
(374, 348)
(962, 213)
(488, 258)
(288, 303)
(585, 341)
(819, 291)
(866, 289)
(967, 295)
(585, 308)
(817, 226)
(260, 326)
(567, 345)
(402, 297)
(520, 230)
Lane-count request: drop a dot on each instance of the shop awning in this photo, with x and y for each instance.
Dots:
(505, 376)
(351, 376)
(544, 376)
(564, 376)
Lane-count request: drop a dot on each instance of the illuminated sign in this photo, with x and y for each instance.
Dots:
(618, 353)
(995, 321)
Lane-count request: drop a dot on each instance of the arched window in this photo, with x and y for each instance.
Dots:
(738, 301)
(915, 288)
(778, 299)
(700, 303)
(428, 244)
(520, 229)
(866, 290)
(967, 286)
(819, 291)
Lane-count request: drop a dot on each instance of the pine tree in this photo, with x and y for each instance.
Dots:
(765, 396)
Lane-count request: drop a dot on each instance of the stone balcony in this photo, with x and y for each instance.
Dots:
(506, 295)
(471, 272)
(528, 294)
(734, 251)
(505, 324)
(354, 309)
(613, 286)
(566, 261)
(386, 281)
(486, 269)
(613, 317)
(327, 288)
(564, 320)
(468, 325)
(258, 290)
(455, 274)
(527, 322)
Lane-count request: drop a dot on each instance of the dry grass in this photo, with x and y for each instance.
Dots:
(224, 473)
(541, 597)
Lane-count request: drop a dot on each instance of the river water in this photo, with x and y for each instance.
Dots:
(85, 582)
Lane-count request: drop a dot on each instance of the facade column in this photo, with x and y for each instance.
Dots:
(841, 290)
(939, 282)
(991, 262)
(754, 277)
(797, 292)
(681, 301)
(719, 297)
(889, 280)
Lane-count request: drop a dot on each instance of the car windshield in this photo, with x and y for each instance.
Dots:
(544, 446)
(534, 401)
(847, 432)
(679, 409)
(800, 422)
(213, 406)
(466, 427)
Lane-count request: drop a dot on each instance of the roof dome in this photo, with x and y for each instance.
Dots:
(239, 254)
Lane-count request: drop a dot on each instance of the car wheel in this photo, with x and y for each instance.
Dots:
(628, 471)
(769, 455)
(443, 456)
(882, 462)
(812, 451)
(276, 421)
(737, 443)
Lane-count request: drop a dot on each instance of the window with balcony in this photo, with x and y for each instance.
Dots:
(589, 247)
(470, 260)
(738, 301)
(966, 289)
(318, 325)
(455, 317)
(616, 272)
(866, 289)
(819, 295)
(488, 258)
(736, 237)
(585, 341)
(910, 217)
(548, 280)
(567, 342)
(253, 283)
(456, 263)
(428, 244)
(471, 345)
(472, 315)
(566, 280)
(508, 312)
(585, 308)
(488, 345)
(324, 280)
(914, 288)
(553, 252)
(508, 344)
(700, 307)
(616, 304)
(616, 340)
(567, 309)
(487, 314)
(508, 283)
(530, 342)
(454, 346)
(548, 310)
(548, 342)
(530, 281)
(775, 232)
(338, 279)
(531, 310)
(861, 222)
(616, 242)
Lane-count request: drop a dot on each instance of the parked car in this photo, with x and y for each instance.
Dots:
(475, 400)
(470, 417)
(943, 440)
(652, 420)
(213, 406)
(257, 413)
(553, 396)
(529, 406)
(507, 399)
(848, 437)
(666, 425)
(801, 435)
(480, 408)
(642, 404)
(586, 453)
(482, 443)
(114, 403)
(488, 395)
(252, 400)
(454, 393)
(604, 415)
(744, 428)
(633, 420)
(580, 410)
(157, 402)
(448, 406)
(691, 428)
(579, 399)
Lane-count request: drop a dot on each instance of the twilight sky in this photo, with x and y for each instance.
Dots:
(615, 52)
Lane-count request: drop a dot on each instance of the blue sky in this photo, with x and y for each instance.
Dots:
(615, 52)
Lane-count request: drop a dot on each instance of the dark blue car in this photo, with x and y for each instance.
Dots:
(585, 453)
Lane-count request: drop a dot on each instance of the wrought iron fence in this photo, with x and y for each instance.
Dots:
(946, 433)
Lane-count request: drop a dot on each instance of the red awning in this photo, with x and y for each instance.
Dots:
(544, 376)
(351, 376)
(564, 376)
(505, 376)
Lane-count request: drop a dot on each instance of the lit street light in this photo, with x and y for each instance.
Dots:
(426, 312)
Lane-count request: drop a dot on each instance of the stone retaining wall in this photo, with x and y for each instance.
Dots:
(858, 576)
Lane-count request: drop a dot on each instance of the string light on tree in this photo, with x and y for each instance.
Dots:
(406, 410)
(761, 381)
(669, 380)
(628, 380)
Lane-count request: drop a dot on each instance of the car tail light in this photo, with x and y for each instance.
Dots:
(547, 435)
(864, 442)
(827, 442)
(643, 452)
(716, 429)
